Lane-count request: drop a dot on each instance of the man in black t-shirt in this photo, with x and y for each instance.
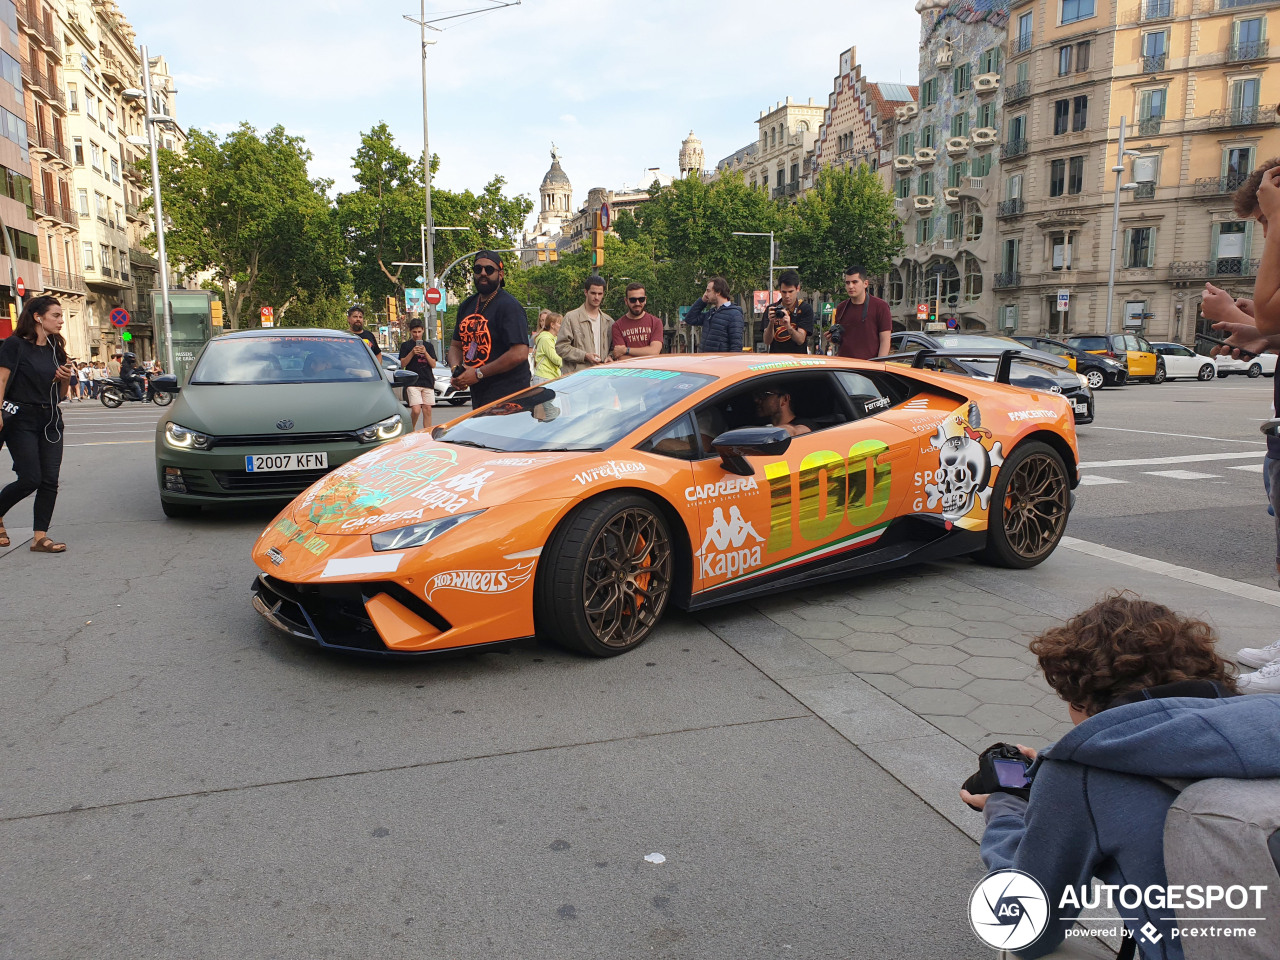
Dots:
(419, 356)
(788, 322)
(355, 320)
(489, 354)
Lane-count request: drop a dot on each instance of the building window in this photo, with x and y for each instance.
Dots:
(115, 170)
(73, 98)
(986, 114)
(1079, 113)
(105, 255)
(100, 206)
(906, 144)
(1231, 244)
(904, 187)
(87, 247)
(1013, 187)
(1076, 10)
(1061, 256)
(1247, 39)
(781, 177)
(1022, 72)
(1139, 247)
(953, 226)
(1064, 61)
(957, 172)
(1237, 164)
(1075, 175)
(1009, 316)
(82, 199)
(1057, 178)
(972, 279)
(120, 216)
(77, 146)
(924, 186)
(929, 92)
(1151, 104)
(897, 292)
(980, 166)
(962, 78)
(960, 125)
(924, 230)
(989, 61)
(1009, 255)
(973, 224)
(1023, 43)
(1018, 128)
(927, 138)
(95, 153)
(91, 106)
(1082, 55)
(795, 173)
(1244, 99)
(1061, 116)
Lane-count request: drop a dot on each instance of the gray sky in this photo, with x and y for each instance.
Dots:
(617, 85)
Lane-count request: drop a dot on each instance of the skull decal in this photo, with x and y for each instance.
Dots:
(963, 476)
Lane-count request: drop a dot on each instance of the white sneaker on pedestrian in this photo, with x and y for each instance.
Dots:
(1266, 680)
(1259, 656)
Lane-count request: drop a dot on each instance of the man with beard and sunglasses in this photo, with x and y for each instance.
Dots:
(638, 333)
(489, 353)
(355, 320)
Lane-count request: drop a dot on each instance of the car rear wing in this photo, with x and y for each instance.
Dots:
(1003, 358)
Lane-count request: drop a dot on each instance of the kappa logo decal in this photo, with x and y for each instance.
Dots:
(481, 581)
(451, 494)
(725, 549)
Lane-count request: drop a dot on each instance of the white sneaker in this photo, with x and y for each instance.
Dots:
(1266, 680)
(1259, 656)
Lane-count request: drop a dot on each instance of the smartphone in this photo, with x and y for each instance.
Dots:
(1271, 427)
(1011, 773)
(1217, 342)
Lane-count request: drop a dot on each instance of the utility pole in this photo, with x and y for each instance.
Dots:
(1118, 170)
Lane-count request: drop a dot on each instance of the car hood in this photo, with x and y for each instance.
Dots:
(256, 408)
(418, 479)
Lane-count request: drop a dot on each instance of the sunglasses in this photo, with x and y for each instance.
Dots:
(636, 299)
(487, 271)
(766, 393)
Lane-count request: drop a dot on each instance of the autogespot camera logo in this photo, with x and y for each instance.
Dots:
(1008, 910)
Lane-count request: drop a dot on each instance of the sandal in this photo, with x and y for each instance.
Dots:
(46, 545)
(4, 536)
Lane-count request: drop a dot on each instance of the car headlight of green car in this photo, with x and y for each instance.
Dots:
(387, 429)
(181, 438)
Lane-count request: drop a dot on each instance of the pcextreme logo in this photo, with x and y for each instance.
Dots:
(1009, 910)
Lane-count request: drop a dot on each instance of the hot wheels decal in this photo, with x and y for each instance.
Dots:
(481, 581)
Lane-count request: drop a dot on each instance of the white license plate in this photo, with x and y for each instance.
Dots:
(1081, 407)
(273, 462)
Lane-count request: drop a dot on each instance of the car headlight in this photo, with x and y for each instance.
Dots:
(180, 438)
(1084, 381)
(387, 429)
(418, 534)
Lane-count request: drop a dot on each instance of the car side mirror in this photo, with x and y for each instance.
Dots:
(404, 378)
(734, 446)
(166, 384)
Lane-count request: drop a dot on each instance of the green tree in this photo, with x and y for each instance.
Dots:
(846, 218)
(244, 210)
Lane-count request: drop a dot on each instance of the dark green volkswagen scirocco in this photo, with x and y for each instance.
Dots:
(266, 413)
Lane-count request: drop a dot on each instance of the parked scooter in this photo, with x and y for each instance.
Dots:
(113, 392)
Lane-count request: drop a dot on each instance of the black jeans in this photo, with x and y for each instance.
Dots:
(37, 460)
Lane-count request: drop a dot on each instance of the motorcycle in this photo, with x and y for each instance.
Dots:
(112, 392)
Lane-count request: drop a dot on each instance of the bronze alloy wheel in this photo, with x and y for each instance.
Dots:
(1036, 503)
(627, 577)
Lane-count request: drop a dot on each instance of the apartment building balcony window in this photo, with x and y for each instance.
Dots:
(1010, 208)
(1017, 91)
(1139, 248)
(1074, 11)
(1013, 148)
(1155, 10)
(1145, 191)
(1247, 40)
(1155, 48)
(1022, 40)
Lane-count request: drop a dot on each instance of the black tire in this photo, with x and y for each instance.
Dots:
(1160, 374)
(457, 401)
(1255, 371)
(1097, 379)
(1222, 374)
(1206, 372)
(178, 511)
(1025, 524)
(111, 397)
(162, 399)
(605, 576)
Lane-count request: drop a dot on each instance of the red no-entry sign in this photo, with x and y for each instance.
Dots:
(20, 287)
(433, 296)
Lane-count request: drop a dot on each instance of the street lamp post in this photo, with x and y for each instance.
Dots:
(1118, 170)
(149, 121)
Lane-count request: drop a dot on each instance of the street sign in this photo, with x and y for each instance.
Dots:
(268, 317)
(119, 317)
(413, 299)
(1064, 300)
(606, 216)
(922, 311)
(433, 296)
(20, 287)
(126, 336)
(760, 300)
(828, 309)
(421, 278)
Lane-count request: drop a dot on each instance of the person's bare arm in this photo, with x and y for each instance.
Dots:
(516, 355)
(455, 354)
(652, 350)
(1266, 291)
(4, 380)
(886, 338)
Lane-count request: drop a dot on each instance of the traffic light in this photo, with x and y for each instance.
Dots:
(392, 315)
(542, 251)
(552, 253)
(215, 313)
(597, 250)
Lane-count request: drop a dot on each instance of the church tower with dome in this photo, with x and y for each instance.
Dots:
(691, 157)
(557, 198)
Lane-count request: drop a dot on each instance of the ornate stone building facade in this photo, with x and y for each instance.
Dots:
(781, 157)
(853, 124)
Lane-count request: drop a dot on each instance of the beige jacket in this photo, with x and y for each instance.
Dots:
(576, 341)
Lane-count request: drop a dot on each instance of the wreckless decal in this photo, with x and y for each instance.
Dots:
(612, 468)
(832, 489)
(481, 581)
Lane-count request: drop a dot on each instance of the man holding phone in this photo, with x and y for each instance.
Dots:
(789, 321)
(417, 355)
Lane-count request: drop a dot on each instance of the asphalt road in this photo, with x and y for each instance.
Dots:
(179, 780)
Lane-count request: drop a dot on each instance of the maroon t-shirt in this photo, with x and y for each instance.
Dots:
(636, 333)
(861, 338)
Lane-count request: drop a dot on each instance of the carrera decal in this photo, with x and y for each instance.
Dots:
(480, 581)
(720, 489)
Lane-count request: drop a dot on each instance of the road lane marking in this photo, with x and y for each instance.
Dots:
(1249, 468)
(1183, 475)
(1235, 588)
(1161, 433)
(1093, 480)
(105, 443)
(1155, 461)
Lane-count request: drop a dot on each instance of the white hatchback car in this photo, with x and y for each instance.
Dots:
(1264, 365)
(1181, 363)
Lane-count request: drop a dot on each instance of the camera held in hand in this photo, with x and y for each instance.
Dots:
(836, 334)
(1001, 769)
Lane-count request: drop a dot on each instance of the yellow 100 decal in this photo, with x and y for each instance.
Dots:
(832, 489)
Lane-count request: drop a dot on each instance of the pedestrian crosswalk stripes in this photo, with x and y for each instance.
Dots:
(1183, 475)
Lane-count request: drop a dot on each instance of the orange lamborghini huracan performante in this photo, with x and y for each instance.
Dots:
(579, 509)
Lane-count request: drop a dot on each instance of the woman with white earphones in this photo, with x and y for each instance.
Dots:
(35, 376)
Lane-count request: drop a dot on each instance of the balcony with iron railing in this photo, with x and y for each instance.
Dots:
(1150, 10)
(1149, 126)
(1247, 50)
(1145, 191)
(1017, 91)
(1217, 186)
(39, 23)
(1013, 148)
(1004, 281)
(1010, 208)
(1153, 63)
(1250, 116)
(1021, 43)
(51, 145)
(63, 282)
(1208, 269)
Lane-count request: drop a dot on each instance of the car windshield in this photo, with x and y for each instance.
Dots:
(589, 410)
(285, 359)
(968, 341)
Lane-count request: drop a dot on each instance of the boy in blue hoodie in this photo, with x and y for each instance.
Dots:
(1150, 698)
